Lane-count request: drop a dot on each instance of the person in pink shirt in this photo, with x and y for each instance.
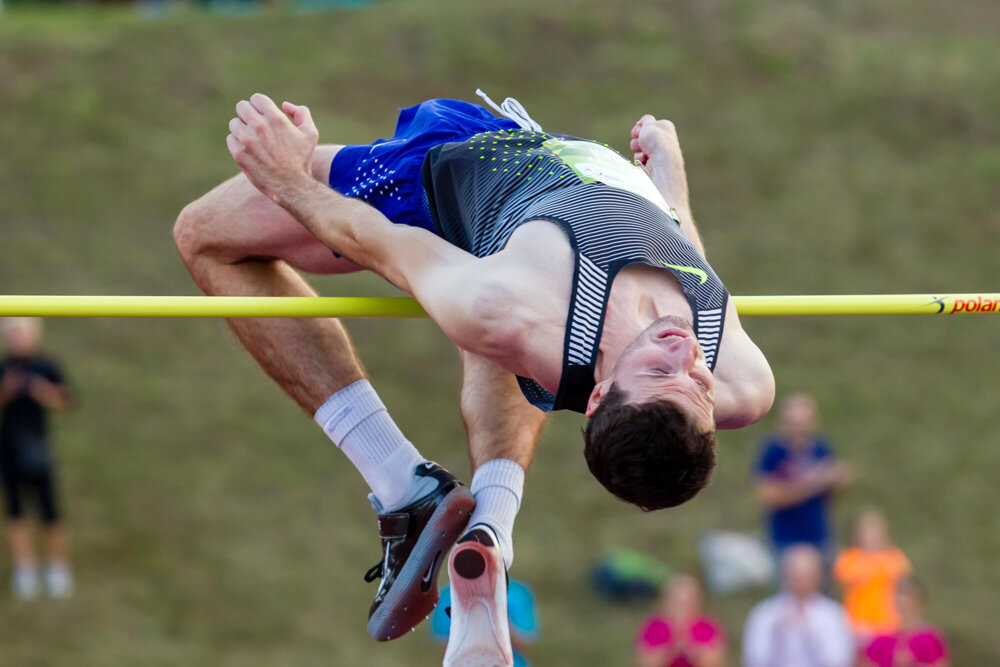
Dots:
(680, 634)
(916, 643)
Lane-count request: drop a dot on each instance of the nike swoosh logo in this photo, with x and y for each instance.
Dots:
(425, 583)
(702, 276)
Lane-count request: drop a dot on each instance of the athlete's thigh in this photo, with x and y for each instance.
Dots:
(499, 421)
(240, 223)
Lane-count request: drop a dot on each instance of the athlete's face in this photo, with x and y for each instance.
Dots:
(665, 363)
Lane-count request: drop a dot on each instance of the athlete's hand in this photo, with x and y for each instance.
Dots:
(652, 138)
(272, 146)
(655, 146)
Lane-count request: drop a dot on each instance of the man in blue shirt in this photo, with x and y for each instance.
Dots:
(796, 477)
(520, 616)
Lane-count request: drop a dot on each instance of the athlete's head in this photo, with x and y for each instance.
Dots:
(21, 335)
(651, 436)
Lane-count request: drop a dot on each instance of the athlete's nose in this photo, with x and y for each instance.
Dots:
(683, 352)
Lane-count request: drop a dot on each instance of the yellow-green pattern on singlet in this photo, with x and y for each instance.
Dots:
(479, 191)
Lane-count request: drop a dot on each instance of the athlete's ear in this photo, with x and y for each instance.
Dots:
(601, 390)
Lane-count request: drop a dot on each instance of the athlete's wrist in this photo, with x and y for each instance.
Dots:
(292, 190)
(665, 177)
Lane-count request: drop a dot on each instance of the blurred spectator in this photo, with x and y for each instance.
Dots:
(521, 618)
(680, 635)
(868, 572)
(796, 475)
(916, 643)
(799, 627)
(31, 385)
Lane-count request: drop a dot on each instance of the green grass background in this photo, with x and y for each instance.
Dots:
(833, 147)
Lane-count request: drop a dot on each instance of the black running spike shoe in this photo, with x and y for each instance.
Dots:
(415, 540)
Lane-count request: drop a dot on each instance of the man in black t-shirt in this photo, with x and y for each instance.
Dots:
(30, 386)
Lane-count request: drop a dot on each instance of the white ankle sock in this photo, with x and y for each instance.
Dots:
(498, 486)
(357, 421)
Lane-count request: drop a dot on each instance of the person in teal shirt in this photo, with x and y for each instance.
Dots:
(520, 615)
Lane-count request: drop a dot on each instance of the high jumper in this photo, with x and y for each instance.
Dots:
(569, 278)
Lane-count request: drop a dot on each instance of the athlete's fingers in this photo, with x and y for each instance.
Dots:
(249, 115)
(235, 147)
(295, 111)
(243, 156)
(266, 106)
(238, 128)
(302, 118)
(644, 120)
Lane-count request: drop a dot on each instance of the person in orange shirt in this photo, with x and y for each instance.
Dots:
(868, 572)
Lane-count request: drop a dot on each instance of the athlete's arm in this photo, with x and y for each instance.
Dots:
(655, 146)
(744, 387)
(276, 156)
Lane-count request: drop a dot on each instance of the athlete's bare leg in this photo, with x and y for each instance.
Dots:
(237, 242)
(500, 423)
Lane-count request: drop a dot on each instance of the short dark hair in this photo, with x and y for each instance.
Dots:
(648, 454)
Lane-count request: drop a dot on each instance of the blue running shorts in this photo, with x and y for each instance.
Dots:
(387, 173)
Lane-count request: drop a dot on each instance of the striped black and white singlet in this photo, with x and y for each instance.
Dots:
(481, 190)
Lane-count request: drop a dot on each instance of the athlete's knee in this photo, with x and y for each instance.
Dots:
(201, 227)
(190, 231)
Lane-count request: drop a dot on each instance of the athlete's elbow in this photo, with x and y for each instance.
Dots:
(757, 405)
(763, 395)
(758, 393)
(752, 401)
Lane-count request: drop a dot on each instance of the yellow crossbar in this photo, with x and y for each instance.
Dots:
(231, 306)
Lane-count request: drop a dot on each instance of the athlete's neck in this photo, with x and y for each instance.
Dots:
(640, 295)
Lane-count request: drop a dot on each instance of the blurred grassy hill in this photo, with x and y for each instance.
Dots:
(833, 147)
